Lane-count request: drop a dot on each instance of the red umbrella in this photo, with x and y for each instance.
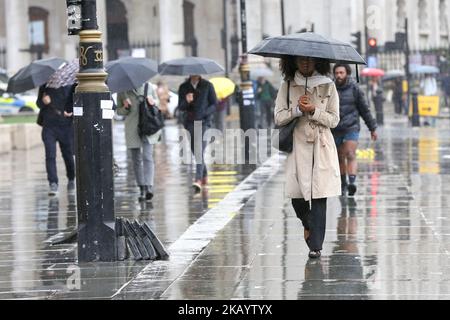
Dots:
(372, 72)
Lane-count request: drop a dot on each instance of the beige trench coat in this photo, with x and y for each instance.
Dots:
(313, 166)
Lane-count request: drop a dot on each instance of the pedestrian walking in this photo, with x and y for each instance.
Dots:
(446, 89)
(265, 95)
(398, 96)
(220, 114)
(313, 166)
(198, 100)
(57, 127)
(141, 147)
(353, 105)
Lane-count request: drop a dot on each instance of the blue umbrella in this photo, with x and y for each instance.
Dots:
(423, 69)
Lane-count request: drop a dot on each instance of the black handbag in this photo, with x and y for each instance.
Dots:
(283, 136)
(151, 119)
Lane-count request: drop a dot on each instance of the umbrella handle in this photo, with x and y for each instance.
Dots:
(306, 86)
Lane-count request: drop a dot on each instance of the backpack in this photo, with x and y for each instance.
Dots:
(151, 119)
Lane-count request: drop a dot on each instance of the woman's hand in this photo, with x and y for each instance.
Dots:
(46, 99)
(151, 101)
(305, 105)
(127, 103)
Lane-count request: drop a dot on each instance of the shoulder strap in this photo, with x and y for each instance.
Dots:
(289, 94)
(146, 90)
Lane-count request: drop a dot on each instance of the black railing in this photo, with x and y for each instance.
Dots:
(152, 49)
(396, 59)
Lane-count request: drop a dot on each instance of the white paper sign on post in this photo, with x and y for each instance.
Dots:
(108, 114)
(106, 104)
(78, 111)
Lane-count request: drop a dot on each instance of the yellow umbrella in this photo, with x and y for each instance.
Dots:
(224, 87)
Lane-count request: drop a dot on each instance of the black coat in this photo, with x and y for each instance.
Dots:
(353, 105)
(204, 105)
(61, 100)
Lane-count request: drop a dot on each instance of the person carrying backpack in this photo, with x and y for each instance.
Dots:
(353, 106)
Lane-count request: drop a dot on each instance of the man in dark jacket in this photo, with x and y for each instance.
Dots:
(266, 95)
(353, 105)
(57, 126)
(197, 101)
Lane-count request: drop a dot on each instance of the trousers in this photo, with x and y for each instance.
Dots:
(314, 220)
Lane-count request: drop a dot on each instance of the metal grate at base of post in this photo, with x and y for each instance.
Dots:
(138, 241)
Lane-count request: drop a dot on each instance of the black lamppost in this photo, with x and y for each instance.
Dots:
(247, 99)
(93, 139)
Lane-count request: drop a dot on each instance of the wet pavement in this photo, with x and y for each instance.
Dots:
(390, 242)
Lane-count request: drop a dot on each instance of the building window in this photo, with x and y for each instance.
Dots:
(401, 14)
(38, 30)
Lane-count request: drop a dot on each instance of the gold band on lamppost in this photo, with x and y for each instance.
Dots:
(92, 77)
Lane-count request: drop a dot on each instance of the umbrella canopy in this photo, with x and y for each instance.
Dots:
(224, 87)
(423, 69)
(190, 66)
(65, 76)
(393, 74)
(34, 75)
(308, 44)
(130, 73)
(260, 73)
(372, 72)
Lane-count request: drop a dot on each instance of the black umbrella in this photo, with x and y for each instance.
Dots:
(190, 66)
(130, 73)
(34, 75)
(308, 44)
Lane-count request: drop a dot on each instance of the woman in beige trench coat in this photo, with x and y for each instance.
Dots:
(313, 173)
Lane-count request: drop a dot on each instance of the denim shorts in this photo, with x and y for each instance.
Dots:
(351, 136)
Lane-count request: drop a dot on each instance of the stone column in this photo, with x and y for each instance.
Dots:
(171, 29)
(254, 23)
(271, 17)
(375, 19)
(103, 25)
(17, 34)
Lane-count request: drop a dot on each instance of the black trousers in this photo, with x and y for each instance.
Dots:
(50, 137)
(314, 220)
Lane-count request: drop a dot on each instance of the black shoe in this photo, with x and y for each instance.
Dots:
(352, 190)
(142, 194)
(197, 186)
(149, 195)
(315, 254)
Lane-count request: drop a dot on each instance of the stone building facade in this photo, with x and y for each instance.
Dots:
(166, 29)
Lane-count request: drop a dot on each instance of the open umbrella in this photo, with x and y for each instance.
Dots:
(190, 66)
(224, 87)
(372, 72)
(393, 74)
(308, 44)
(423, 69)
(256, 73)
(130, 73)
(65, 76)
(34, 75)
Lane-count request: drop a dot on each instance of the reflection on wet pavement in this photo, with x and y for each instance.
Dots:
(389, 242)
(30, 269)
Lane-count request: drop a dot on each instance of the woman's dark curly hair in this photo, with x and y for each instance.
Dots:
(288, 67)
